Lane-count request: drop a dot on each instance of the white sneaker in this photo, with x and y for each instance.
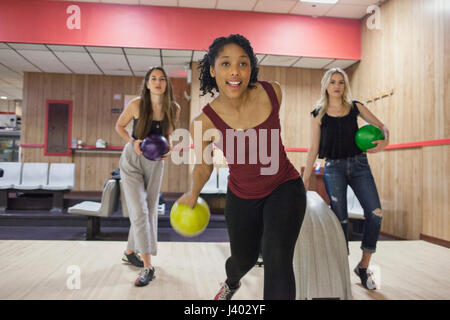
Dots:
(161, 208)
(367, 278)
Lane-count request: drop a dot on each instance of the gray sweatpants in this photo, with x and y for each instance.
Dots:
(141, 181)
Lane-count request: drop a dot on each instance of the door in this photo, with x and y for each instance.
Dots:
(58, 128)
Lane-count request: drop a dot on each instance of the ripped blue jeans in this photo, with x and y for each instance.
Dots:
(354, 171)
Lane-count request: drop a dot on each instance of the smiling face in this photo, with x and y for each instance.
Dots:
(232, 70)
(336, 87)
(157, 82)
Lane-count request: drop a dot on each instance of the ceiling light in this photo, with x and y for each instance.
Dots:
(320, 1)
(3, 97)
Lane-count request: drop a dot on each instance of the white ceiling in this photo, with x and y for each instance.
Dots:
(17, 58)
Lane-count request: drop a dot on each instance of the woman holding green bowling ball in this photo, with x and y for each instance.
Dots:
(153, 113)
(332, 137)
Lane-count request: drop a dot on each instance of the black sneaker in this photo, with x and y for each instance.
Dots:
(145, 276)
(225, 292)
(134, 259)
(366, 276)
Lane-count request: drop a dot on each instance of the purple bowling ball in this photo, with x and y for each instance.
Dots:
(154, 146)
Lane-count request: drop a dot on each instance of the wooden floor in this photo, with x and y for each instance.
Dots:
(48, 270)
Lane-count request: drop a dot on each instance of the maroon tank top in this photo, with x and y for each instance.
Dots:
(256, 157)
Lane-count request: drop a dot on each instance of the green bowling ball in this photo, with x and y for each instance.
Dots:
(366, 134)
(190, 222)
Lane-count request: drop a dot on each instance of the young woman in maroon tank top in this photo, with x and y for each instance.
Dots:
(265, 202)
(333, 129)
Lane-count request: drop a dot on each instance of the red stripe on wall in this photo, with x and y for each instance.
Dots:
(417, 144)
(296, 149)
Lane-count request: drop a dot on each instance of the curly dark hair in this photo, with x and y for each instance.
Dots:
(208, 83)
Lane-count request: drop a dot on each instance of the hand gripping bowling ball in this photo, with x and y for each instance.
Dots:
(187, 221)
(154, 146)
(366, 134)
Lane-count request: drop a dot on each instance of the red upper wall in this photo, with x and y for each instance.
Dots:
(135, 26)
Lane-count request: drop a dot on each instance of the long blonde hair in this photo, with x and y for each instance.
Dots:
(321, 106)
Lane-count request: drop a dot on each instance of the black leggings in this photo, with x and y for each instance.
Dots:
(272, 222)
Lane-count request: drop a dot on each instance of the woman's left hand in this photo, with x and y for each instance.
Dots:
(380, 145)
(166, 155)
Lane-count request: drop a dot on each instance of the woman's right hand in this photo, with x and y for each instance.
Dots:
(137, 146)
(188, 199)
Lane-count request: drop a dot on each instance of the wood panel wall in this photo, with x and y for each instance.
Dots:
(93, 99)
(176, 176)
(410, 54)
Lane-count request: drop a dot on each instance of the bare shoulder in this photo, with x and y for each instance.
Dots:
(135, 101)
(133, 107)
(315, 120)
(360, 105)
(131, 110)
(177, 108)
(277, 87)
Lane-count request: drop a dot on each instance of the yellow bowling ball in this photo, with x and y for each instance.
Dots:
(187, 221)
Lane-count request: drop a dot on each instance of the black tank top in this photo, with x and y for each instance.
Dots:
(337, 135)
(155, 128)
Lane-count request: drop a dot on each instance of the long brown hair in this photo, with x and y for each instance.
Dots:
(146, 111)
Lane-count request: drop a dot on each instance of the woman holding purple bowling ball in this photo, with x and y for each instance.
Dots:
(153, 113)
